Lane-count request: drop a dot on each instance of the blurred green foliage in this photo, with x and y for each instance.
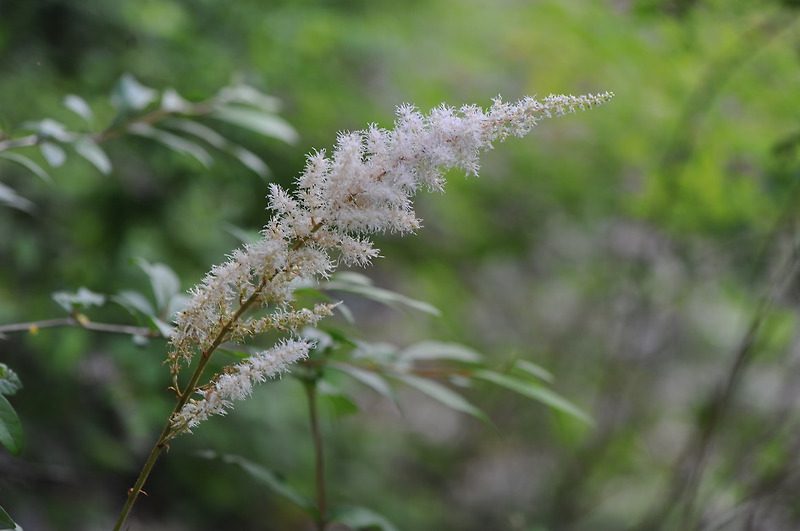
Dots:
(627, 250)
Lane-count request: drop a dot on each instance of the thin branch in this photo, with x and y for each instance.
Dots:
(319, 457)
(35, 326)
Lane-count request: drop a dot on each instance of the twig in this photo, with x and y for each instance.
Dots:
(35, 326)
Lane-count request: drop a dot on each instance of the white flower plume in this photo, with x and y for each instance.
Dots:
(364, 186)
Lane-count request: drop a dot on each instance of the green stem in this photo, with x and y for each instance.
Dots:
(183, 397)
(319, 457)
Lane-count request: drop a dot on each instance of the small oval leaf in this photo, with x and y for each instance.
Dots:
(29, 165)
(79, 106)
(129, 94)
(12, 199)
(9, 381)
(94, 154)
(53, 154)
(10, 428)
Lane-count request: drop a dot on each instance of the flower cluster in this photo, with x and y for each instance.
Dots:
(237, 383)
(365, 186)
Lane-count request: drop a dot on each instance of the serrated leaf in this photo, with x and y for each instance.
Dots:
(9, 381)
(258, 121)
(6, 522)
(534, 391)
(93, 153)
(12, 199)
(29, 165)
(163, 280)
(373, 380)
(129, 94)
(174, 142)
(53, 154)
(435, 350)
(442, 394)
(360, 518)
(264, 476)
(79, 106)
(10, 428)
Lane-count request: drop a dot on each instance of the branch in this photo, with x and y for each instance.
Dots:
(79, 322)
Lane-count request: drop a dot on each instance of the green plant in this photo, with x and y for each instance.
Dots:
(364, 186)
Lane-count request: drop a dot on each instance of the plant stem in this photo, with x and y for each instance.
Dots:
(319, 458)
(183, 397)
(34, 326)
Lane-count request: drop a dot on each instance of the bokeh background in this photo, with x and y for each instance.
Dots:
(644, 252)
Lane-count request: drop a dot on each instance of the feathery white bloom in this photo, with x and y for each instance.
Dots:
(364, 186)
(237, 383)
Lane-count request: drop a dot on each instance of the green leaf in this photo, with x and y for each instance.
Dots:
(11, 199)
(9, 381)
(79, 106)
(10, 428)
(258, 121)
(435, 350)
(165, 329)
(442, 394)
(173, 102)
(164, 281)
(89, 150)
(247, 158)
(358, 284)
(264, 476)
(174, 142)
(197, 129)
(340, 403)
(531, 369)
(134, 301)
(129, 94)
(534, 391)
(28, 164)
(373, 380)
(248, 95)
(360, 518)
(83, 298)
(6, 522)
(53, 154)
(49, 128)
